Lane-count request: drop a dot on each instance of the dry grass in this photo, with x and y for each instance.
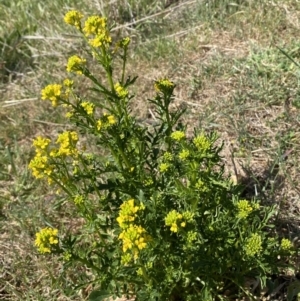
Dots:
(229, 75)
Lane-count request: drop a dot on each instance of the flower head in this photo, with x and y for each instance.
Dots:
(244, 208)
(52, 93)
(183, 155)
(286, 244)
(177, 135)
(202, 143)
(73, 18)
(127, 213)
(67, 141)
(121, 91)
(46, 240)
(40, 166)
(94, 25)
(68, 83)
(253, 245)
(134, 237)
(163, 167)
(164, 85)
(168, 156)
(88, 107)
(76, 64)
(41, 144)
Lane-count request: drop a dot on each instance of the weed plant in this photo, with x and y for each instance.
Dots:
(162, 220)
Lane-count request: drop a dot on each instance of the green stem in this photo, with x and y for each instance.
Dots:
(124, 64)
(87, 263)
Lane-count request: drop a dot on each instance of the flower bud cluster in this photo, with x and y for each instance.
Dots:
(46, 240)
(176, 220)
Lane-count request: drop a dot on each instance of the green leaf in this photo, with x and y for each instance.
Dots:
(99, 295)
(293, 290)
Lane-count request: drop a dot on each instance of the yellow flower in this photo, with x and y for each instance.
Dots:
(73, 18)
(41, 143)
(168, 156)
(52, 92)
(244, 208)
(253, 245)
(101, 39)
(40, 166)
(126, 258)
(163, 167)
(174, 228)
(88, 107)
(68, 83)
(184, 154)
(105, 122)
(67, 141)
(121, 91)
(177, 135)
(164, 85)
(127, 213)
(202, 143)
(134, 237)
(99, 125)
(76, 64)
(173, 218)
(69, 114)
(46, 240)
(111, 119)
(286, 244)
(67, 256)
(94, 25)
(78, 199)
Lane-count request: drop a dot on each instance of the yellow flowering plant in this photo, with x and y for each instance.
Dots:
(162, 220)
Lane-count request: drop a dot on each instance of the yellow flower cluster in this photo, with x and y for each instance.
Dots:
(78, 199)
(76, 64)
(40, 165)
(88, 107)
(253, 245)
(53, 93)
(175, 220)
(121, 91)
(97, 27)
(67, 141)
(46, 240)
(163, 167)
(286, 244)
(164, 85)
(183, 155)
(133, 237)
(244, 208)
(94, 25)
(177, 135)
(202, 143)
(73, 18)
(68, 83)
(105, 122)
(168, 156)
(128, 213)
